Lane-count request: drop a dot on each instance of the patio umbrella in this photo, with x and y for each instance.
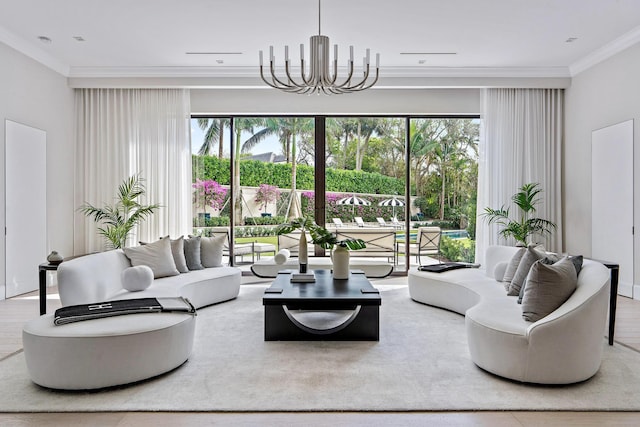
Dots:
(393, 202)
(353, 201)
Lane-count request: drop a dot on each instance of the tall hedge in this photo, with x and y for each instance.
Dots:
(254, 172)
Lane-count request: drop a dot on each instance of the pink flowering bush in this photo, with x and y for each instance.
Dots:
(266, 194)
(209, 193)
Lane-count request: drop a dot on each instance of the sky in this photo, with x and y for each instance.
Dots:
(270, 144)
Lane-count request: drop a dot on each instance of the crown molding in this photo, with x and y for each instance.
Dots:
(618, 45)
(249, 72)
(32, 51)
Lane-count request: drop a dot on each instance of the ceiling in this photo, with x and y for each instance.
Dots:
(152, 37)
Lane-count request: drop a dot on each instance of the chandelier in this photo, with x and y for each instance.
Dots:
(318, 79)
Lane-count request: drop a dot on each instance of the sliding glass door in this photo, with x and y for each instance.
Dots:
(384, 175)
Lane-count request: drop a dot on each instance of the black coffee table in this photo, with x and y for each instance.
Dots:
(327, 309)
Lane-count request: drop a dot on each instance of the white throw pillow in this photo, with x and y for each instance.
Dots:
(499, 270)
(156, 255)
(211, 250)
(282, 256)
(136, 278)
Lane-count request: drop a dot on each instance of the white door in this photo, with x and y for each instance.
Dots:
(26, 206)
(612, 199)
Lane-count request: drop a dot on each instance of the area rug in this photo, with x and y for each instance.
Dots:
(421, 363)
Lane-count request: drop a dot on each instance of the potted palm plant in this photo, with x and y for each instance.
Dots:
(119, 219)
(525, 225)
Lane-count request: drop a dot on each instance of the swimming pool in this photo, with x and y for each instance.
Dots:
(452, 234)
(456, 234)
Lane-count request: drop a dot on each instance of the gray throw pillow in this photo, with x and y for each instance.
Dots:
(577, 262)
(156, 255)
(512, 267)
(531, 255)
(211, 250)
(547, 288)
(177, 250)
(546, 261)
(192, 253)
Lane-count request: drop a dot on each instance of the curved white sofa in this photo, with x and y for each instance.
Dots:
(96, 277)
(562, 348)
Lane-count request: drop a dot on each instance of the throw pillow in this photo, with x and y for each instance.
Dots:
(531, 255)
(499, 270)
(156, 255)
(211, 250)
(577, 262)
(547, 288)
(136, 278)
(177, 251)
(192, 253)
(282, 256)
(512, 267)
(546, 261)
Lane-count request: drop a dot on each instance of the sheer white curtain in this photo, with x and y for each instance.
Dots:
(120, 132)
(520, 142)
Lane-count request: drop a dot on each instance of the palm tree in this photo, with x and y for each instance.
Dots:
(241, 125)
(213, 133)
(288, 129)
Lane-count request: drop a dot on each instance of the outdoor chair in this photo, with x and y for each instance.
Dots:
(338, 222)
(395, 223)
(428, 243)
(382, 222)
(359, 221)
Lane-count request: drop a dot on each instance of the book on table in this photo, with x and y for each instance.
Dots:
(303, 277)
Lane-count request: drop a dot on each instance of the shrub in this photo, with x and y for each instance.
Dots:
(266, 220)
(458, 249)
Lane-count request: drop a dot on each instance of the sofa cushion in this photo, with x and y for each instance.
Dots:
(177, 251)
(500, 270)
(192, 248)
(547, 288)
(156, 255)
(138, 278)
(531, 255)
(550, 260)
(211, 250)
(512, 267)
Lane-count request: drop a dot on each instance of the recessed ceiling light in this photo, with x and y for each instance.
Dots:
(571, 39)
(219, 61)
(213, 53)
(422, 61)
(79, 38)
(44, 39)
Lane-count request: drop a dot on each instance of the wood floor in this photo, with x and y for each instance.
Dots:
(14, 312)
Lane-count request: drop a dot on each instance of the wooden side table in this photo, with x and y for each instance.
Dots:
(42, 276)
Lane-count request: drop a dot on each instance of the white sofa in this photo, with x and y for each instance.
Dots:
(96, 277)
(562, 348)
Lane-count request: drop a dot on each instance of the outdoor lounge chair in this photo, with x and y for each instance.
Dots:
(382, 222)
(359, 221)
(395, 223)
(338, 222)
(428, 243)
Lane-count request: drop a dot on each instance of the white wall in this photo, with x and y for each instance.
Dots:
(373, 101)
(603, 95)
(34, 95)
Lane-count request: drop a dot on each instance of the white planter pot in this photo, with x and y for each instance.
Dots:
(340, 258)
